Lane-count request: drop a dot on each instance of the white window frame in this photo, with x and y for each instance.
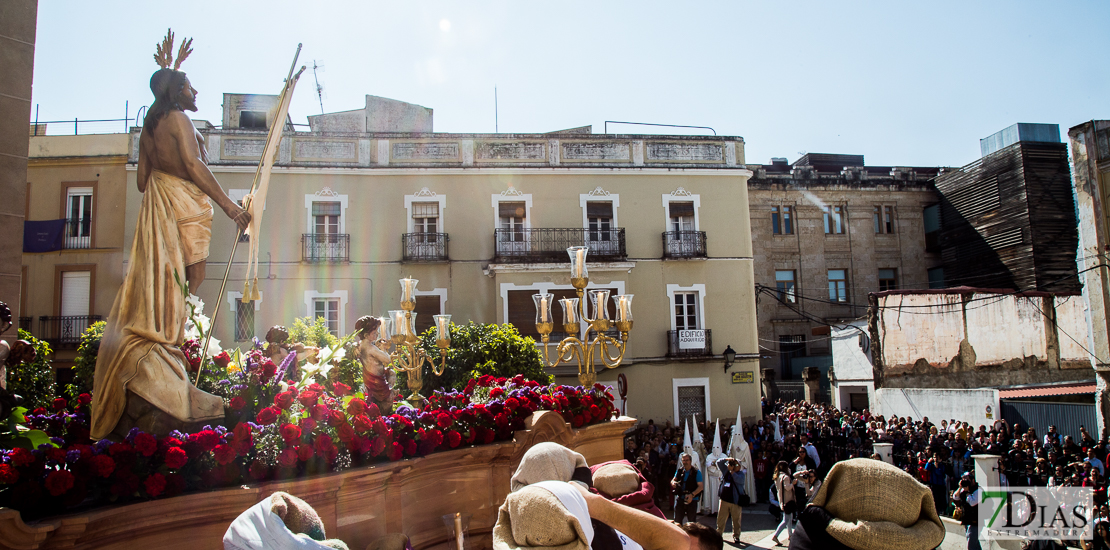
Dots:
(510, 196)
(598, 197)
(439, 292)
(677, 382)
(71, 193)
(310, 297)
(700, 289)
(424, 195)
(680, 195)
(325, 195)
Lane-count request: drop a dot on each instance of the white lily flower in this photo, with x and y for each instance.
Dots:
(195, 302)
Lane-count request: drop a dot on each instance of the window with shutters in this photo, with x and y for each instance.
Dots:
(425, 218)
(599, 216)
(76, 286)
(328, 310)
(325, 217)
(682, 216)
(522, 310)
(511, 218)
(78, 212)
(326, 243)
(244, 321)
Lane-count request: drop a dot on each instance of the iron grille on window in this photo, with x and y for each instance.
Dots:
(325, 247)
(674, 348)
(244, 321)
(684, 244)
(691, 402)
(424, 247)
(65, 331)
(78, 233)
(550, 244)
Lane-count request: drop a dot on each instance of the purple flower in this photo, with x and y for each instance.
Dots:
(102, 445)
(131, 435)
(57, 441)
(72, 456)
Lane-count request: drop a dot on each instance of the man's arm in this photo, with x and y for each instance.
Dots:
(199, 173)
(651, 532)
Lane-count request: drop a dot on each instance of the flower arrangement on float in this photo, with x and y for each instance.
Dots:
(283, 422)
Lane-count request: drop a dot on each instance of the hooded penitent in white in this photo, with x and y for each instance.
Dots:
(710, 503)
(688, 448)
(740, 451)
(699, 441)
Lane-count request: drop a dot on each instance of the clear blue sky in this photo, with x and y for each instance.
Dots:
(901, 83)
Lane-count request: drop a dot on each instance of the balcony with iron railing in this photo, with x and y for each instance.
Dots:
(78, 234)
(523, 245)
(325, 247)
(689, 345)
(684, 244)
(424, 247)
(64, 331)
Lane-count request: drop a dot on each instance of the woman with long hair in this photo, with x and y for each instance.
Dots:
(784, 484)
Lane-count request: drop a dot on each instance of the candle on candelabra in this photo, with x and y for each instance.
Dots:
(458, 531)
(543, 309)
(408, 290)
(570, 310)
(622, 309)
(578, 261)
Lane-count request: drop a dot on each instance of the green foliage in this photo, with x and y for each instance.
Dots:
(349, 369)
(477, 349)
(312, 332)
(35, 380)
(84, 365)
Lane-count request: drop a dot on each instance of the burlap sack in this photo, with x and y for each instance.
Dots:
(616, 479)
(879, 507)
(546, 462)
(533, 517)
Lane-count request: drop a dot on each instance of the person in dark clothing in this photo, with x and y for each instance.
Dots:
(687, 485)
(967, 498)
(732, 495)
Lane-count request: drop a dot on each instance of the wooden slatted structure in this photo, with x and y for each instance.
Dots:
(1008, 220)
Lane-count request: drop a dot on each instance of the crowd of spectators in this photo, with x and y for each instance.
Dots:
(811, 436)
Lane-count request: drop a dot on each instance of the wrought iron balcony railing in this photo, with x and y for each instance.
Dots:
(550, 244)
(78, 234)
(64, 331)
(684, 244)
(676, 347)
(25, 323)
(424, 247)
(325, 247)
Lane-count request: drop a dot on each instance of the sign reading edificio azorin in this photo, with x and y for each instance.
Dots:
(691, 339)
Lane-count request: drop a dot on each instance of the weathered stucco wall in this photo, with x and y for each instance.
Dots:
(1009, 339)
(915, 326)
(939, 404)
(851, 371)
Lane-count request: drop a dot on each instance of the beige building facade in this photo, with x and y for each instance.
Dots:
(482, 220)
(826, 231)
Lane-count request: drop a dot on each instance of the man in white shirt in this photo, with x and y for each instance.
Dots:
(811, 450)
(1095, 462)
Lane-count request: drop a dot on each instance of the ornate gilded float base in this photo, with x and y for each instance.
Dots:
(357, 505)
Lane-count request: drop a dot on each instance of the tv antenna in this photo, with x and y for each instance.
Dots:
(317, 66)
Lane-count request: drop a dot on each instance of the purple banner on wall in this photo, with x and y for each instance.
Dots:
(43, 236)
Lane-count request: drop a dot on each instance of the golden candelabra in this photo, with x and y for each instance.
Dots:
(585, 349)
(408, 356)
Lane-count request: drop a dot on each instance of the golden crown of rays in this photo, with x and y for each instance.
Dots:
(163, 56)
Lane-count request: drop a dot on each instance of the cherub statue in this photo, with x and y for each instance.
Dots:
(376, 374)
(20, 352)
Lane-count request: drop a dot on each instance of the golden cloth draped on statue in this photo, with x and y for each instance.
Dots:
(140, 353)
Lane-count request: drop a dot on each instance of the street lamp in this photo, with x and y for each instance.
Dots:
(575, 312)
(730, 356)
(408, 356)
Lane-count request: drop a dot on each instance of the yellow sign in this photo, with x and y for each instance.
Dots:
(745, 377)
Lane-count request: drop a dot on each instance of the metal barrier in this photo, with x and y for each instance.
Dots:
(325, 247)
(684, 244)
(424, 247)
(549, 244)
(64, 331)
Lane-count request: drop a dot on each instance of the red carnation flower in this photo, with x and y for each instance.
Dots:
(123, 448)
(496, 392)
(595, 411)
(155, 484)
(146, 444)
(356, 407)
(288, 457)
(395, 451)
(59, 405)
(512, 403)
(237, 403)
(58, 482)
(284, 400)
(224, 454)
(443, 420)
(102, 465)
(56, 454)
(268, 415)
(269, 369)
(290, 433)
(377, 446)
(410, 447)
(8, 474)
(341, 389)
(84, 399)
(176, 458)
(453, 439)
(207, 439)
(304, 453)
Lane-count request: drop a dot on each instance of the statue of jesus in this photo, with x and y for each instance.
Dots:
(141, 378)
